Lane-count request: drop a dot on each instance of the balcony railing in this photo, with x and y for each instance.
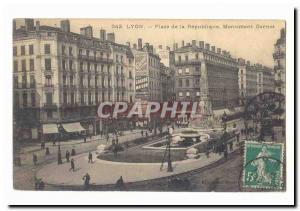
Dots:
(50, 105)
(189, 62)
(95, 59)
(48, 85)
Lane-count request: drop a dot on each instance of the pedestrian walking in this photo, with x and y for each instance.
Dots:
(90, 157)
(230, 146)
(68, 156)
(225, 154)
(142, 133)
(34, 158)
(84, 139)
(42, 145)
(237, 137)
(146, 134)
(107, 138)
(41, 185)
(53, 142)
(47, 151)
(207, 152)
(120, 185)
(115, 150)
(72, 165)
(86, 179)
(73, 152)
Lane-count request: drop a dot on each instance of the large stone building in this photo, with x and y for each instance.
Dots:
(61, 77)
(205, 73)
(253, 80)
(167, 72)
(279, 63)
(147, 68)
(265, 79)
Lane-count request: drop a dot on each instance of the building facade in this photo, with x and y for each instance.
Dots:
(279, 63)
(265, 79)
(207, 74)
(247, 81)
(61, 76)
(147, 68)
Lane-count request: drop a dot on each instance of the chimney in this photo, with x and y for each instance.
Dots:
(29, 24)
(248, 63)
(168, 48)
(224, 53)
(160, 47)
(151, 48)
(241, 61)
(213, 49)
(207, 45)
(219, 50)
(201, 44)
(134, 46)
(140, 44)
(102, 34)
(37, 25)
(174, 46)
(182, 43)
(65, 25)
(194, 43)
(111, 37)
(87, 31)
(128, 44)
(188, 44)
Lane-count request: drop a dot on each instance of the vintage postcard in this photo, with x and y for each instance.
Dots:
(149, 105)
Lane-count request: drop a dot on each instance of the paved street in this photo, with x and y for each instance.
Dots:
(23, 175)
(47, 166)
(107, 172)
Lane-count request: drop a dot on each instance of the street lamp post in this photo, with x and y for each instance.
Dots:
(170, 168)
(59, 160)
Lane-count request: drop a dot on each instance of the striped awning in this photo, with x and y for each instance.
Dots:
(73, 127)
(50, 128)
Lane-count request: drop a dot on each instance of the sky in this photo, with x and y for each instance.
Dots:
(252, 40)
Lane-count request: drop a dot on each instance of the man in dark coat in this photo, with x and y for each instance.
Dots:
(120, 184)
(86, 179)
(72, 165)
(42, 145)
(73, 152)
(34, 158)
(90, 157)
(68, 156)
(47, 151)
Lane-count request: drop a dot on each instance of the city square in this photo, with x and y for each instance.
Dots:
(94, 114)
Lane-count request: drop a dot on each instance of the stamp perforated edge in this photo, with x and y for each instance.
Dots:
(281, 168)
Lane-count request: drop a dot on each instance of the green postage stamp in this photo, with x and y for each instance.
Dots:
(263, 165)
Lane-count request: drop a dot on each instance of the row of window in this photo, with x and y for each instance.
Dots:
(188, 94)
(23, 84)
(187, 70)
(30, 50)
(25, 101)
(187, 82)
(187, 57)
(218, 59)
(24, 67)
(67, 98)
